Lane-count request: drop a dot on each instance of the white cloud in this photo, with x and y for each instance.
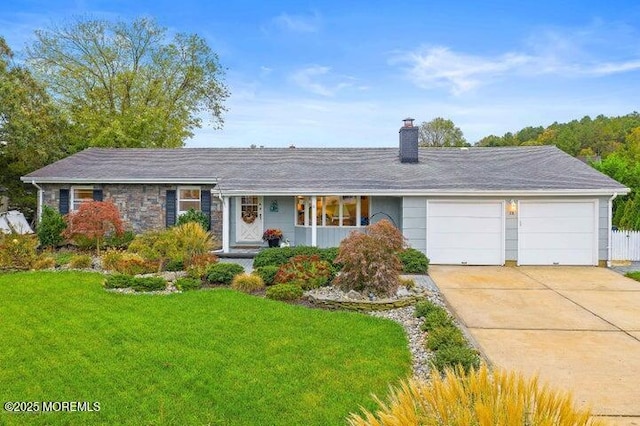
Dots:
(317, 79)
(441, 67)
(595, 51)
(298, 23)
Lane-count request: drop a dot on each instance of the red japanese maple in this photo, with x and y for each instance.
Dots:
(94, 220)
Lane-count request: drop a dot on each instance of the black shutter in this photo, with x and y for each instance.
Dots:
(63, 200)
(171, 207)
(97, 195)
(205, 206)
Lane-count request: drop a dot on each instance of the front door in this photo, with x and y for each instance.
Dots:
(249, 219)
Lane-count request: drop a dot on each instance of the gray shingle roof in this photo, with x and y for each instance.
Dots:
(323, 170)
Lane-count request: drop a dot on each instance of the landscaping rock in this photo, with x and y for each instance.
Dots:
(354, 295)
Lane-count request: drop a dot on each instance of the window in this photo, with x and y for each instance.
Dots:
(334, 210)
(188, 198)
(80, 195)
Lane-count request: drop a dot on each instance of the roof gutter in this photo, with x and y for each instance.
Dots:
(167, 181)
(435, 193)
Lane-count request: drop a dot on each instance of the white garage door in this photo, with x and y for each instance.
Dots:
(465, 233)
(557, 233)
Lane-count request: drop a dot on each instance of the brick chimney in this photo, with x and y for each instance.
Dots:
(408, 142)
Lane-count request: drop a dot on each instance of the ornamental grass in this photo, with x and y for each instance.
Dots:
(481, 397)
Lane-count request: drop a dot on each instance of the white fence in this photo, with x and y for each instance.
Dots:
(625, 245)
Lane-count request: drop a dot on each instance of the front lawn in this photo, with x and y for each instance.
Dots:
(205, 357)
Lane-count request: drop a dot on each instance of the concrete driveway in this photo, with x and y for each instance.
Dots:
(578, 328)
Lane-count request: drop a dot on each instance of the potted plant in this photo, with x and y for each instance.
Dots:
(272, 236)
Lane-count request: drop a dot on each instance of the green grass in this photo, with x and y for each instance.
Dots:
(207, 357)
(634, 275)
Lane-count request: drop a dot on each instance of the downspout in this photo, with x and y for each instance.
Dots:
(615, 194)
(225, 219)
(40, 199)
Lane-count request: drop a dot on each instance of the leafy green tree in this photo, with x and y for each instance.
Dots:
(441, 132)
(126, 85)
(31, 130)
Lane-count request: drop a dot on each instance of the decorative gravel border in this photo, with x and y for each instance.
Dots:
(420, 356)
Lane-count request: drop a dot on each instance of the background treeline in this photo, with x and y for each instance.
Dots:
(610, 144)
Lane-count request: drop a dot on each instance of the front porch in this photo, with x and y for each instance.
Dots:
(319, 221)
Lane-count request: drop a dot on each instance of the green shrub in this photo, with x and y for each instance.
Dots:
(148, 283)
(17, 251)
(174, 265)
(329, 254)
(118, 281)
(50, 228)
(441, 337)
(119, 241)
(437, 318)
(424, 307)
(63, 257)
(180, 243)
(275, 256)
(44, 261)
(186, 284)
(158, 247)
(223, 273)
(267, 273)
(247, 283)
(454, 355)
(194, 216)
(278, 256)
(80, 261)
(284, 292)
(413, 261)
(306, 271)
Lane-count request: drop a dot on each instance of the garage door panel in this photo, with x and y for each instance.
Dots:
(465, 210)
(452, 257)
(464, 225)
(558, 210)
(561, 233)
(542, 241)
(465, 233)
(555, 225)
(463, 240)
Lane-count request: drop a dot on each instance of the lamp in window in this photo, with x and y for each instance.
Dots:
(512, 207)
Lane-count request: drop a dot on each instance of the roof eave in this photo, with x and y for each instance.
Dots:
(436, 192)
(165, 181)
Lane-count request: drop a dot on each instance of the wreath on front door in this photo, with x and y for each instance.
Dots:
(249, 217)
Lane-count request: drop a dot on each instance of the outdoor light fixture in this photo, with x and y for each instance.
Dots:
(512, 207)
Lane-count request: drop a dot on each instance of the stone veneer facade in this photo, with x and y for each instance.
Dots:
(142, 207)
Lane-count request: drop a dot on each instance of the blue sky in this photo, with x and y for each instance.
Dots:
(345, 73)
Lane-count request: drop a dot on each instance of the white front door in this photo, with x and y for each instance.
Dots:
(249, 224)
(558, 232)
(467, 233)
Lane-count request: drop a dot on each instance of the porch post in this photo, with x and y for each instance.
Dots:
(314, 221)
(225, 224)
